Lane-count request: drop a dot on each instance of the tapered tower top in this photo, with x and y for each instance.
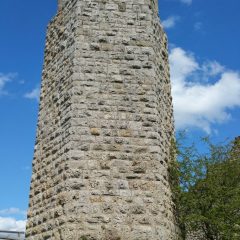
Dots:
(61, 3)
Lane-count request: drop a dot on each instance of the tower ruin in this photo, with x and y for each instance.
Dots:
(100, 168)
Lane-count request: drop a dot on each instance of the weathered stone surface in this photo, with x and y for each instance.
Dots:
(105, 125)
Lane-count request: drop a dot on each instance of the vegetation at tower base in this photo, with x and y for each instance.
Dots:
(208, 196)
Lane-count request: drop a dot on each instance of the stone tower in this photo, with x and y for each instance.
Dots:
(100, 169)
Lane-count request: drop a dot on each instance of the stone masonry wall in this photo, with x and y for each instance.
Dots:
(105, 126)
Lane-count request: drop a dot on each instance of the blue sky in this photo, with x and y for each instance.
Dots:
(204, 45)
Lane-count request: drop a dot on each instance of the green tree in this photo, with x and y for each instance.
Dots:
(208, 193)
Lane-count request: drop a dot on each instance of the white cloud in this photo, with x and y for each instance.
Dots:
(4, 79)
(12, 211)
(198, 26)
(11, 224)
(34, 94)
(170, 22)
(188, 2)
(212, 68)
(204, 93)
